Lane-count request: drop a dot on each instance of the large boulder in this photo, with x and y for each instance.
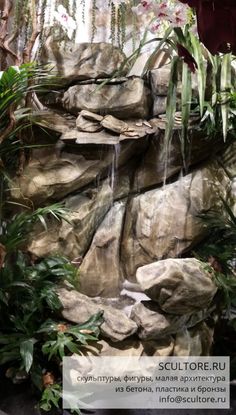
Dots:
(58, 169)
(75, 62)
(179, 286)
(130, 99)
(164, 222)
(153, 323)
(100, 270)
(51, 175)
(78, 308)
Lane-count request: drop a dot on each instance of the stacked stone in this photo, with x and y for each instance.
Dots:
(171, 319)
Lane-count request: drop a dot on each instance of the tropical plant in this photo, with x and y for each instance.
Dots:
(219, 250)
(214, 108)
(18, 106)
(33, 339)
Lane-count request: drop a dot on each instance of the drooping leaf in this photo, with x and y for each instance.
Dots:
(225, 84)
(27, 353)
(186, 97)
(171, 105)
(201, 72)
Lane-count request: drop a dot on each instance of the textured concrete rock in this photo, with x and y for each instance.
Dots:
(156, 168)
(131, 347)
(100, 269)
(78, 308)
(54, 121)
(228, 159)
(50, 176)
(74, 62)
(179, 286)
(163, 223)
(53, 173)
(159, 105)
(72, 238)
(153, 323)
(88, 125)
(160, 79)
(130, 99)
(188, 343)
(134, 130)
(194, 342)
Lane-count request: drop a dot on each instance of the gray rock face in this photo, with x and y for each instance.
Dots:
(228, 159)
(194, 342)
(153, 323)
(133, 131)
(73, 238)
(100, 269)
(132, 347)
(55, 121)
(163, 222)
(52, 174)
(130, 99)
(74, 62)
(78, 308)
(160, 79)
(155, 168)
(179, 286)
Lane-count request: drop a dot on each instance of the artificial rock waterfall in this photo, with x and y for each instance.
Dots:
(132, 236)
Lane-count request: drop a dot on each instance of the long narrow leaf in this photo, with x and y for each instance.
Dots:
(225, 85)
(201, 72)
(186, 97)
(27, 351)
(171, 104)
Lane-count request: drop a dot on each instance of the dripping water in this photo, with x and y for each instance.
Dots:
(114, 167)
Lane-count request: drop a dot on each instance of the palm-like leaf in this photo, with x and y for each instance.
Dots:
(15, 232)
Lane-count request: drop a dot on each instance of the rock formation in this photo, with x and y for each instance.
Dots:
(133, 211)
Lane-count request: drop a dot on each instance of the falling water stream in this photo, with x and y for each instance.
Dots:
(114, 167)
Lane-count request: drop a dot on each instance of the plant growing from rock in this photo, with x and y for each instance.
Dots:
(215, 105)
(219, 249)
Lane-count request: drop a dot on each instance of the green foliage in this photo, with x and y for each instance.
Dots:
(220, 246)
(15, 84)
(215, 107)
(68, 339)
(15, 232)
(221, 242)
(18, 87)
(51, 397)
(31, 335)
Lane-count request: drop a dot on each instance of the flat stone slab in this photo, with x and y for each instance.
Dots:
(141, 128)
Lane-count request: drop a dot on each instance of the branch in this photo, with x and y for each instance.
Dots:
(35, 32)
(4, 43)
